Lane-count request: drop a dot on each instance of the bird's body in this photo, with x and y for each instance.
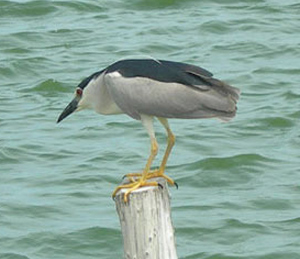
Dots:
(147, 88)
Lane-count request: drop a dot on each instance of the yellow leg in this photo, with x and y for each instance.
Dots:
(171, 143)
(160, 172)
(142, 181)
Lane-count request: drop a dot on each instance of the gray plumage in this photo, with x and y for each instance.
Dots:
(186, 92)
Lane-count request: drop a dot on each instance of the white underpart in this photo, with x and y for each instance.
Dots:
(95, 96)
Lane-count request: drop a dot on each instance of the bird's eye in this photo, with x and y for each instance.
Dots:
(79, 91)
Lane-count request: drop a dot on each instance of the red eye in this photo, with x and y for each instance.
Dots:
(79, 91)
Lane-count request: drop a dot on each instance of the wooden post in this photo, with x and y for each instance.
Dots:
(146, 223)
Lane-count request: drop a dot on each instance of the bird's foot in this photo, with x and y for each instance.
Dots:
(131, 177)
(134, 185)
(152, 174)
(160, 173)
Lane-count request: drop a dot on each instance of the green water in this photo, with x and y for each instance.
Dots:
(239, 189)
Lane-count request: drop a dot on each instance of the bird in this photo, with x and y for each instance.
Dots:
(148, 89)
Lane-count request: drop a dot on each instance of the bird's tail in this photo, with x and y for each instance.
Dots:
(222, 100)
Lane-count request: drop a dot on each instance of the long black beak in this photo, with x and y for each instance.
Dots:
(69, 109)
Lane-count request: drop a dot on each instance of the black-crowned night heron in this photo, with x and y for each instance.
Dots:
(148, 88)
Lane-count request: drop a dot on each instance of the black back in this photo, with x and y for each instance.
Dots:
(160, 70)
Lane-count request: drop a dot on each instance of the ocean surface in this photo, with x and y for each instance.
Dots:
(239, 182)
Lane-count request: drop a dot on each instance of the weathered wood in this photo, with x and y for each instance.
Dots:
(146, 223)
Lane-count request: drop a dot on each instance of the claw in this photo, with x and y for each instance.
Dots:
(176, 185)
(160, 185)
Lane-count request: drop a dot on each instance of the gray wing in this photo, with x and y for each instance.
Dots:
(143, 95)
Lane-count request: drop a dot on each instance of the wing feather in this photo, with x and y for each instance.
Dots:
(142, 95)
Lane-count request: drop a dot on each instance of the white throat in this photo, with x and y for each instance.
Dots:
(96, 96)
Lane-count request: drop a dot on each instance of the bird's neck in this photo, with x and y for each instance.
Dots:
(101, 100)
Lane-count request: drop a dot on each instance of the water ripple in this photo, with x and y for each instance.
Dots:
(13, 256)
(239, 182)
(30, 8)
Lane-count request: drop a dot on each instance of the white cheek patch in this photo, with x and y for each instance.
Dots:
(88, 96)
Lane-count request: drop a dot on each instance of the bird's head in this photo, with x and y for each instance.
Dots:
(73, 106)
(83, 97)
